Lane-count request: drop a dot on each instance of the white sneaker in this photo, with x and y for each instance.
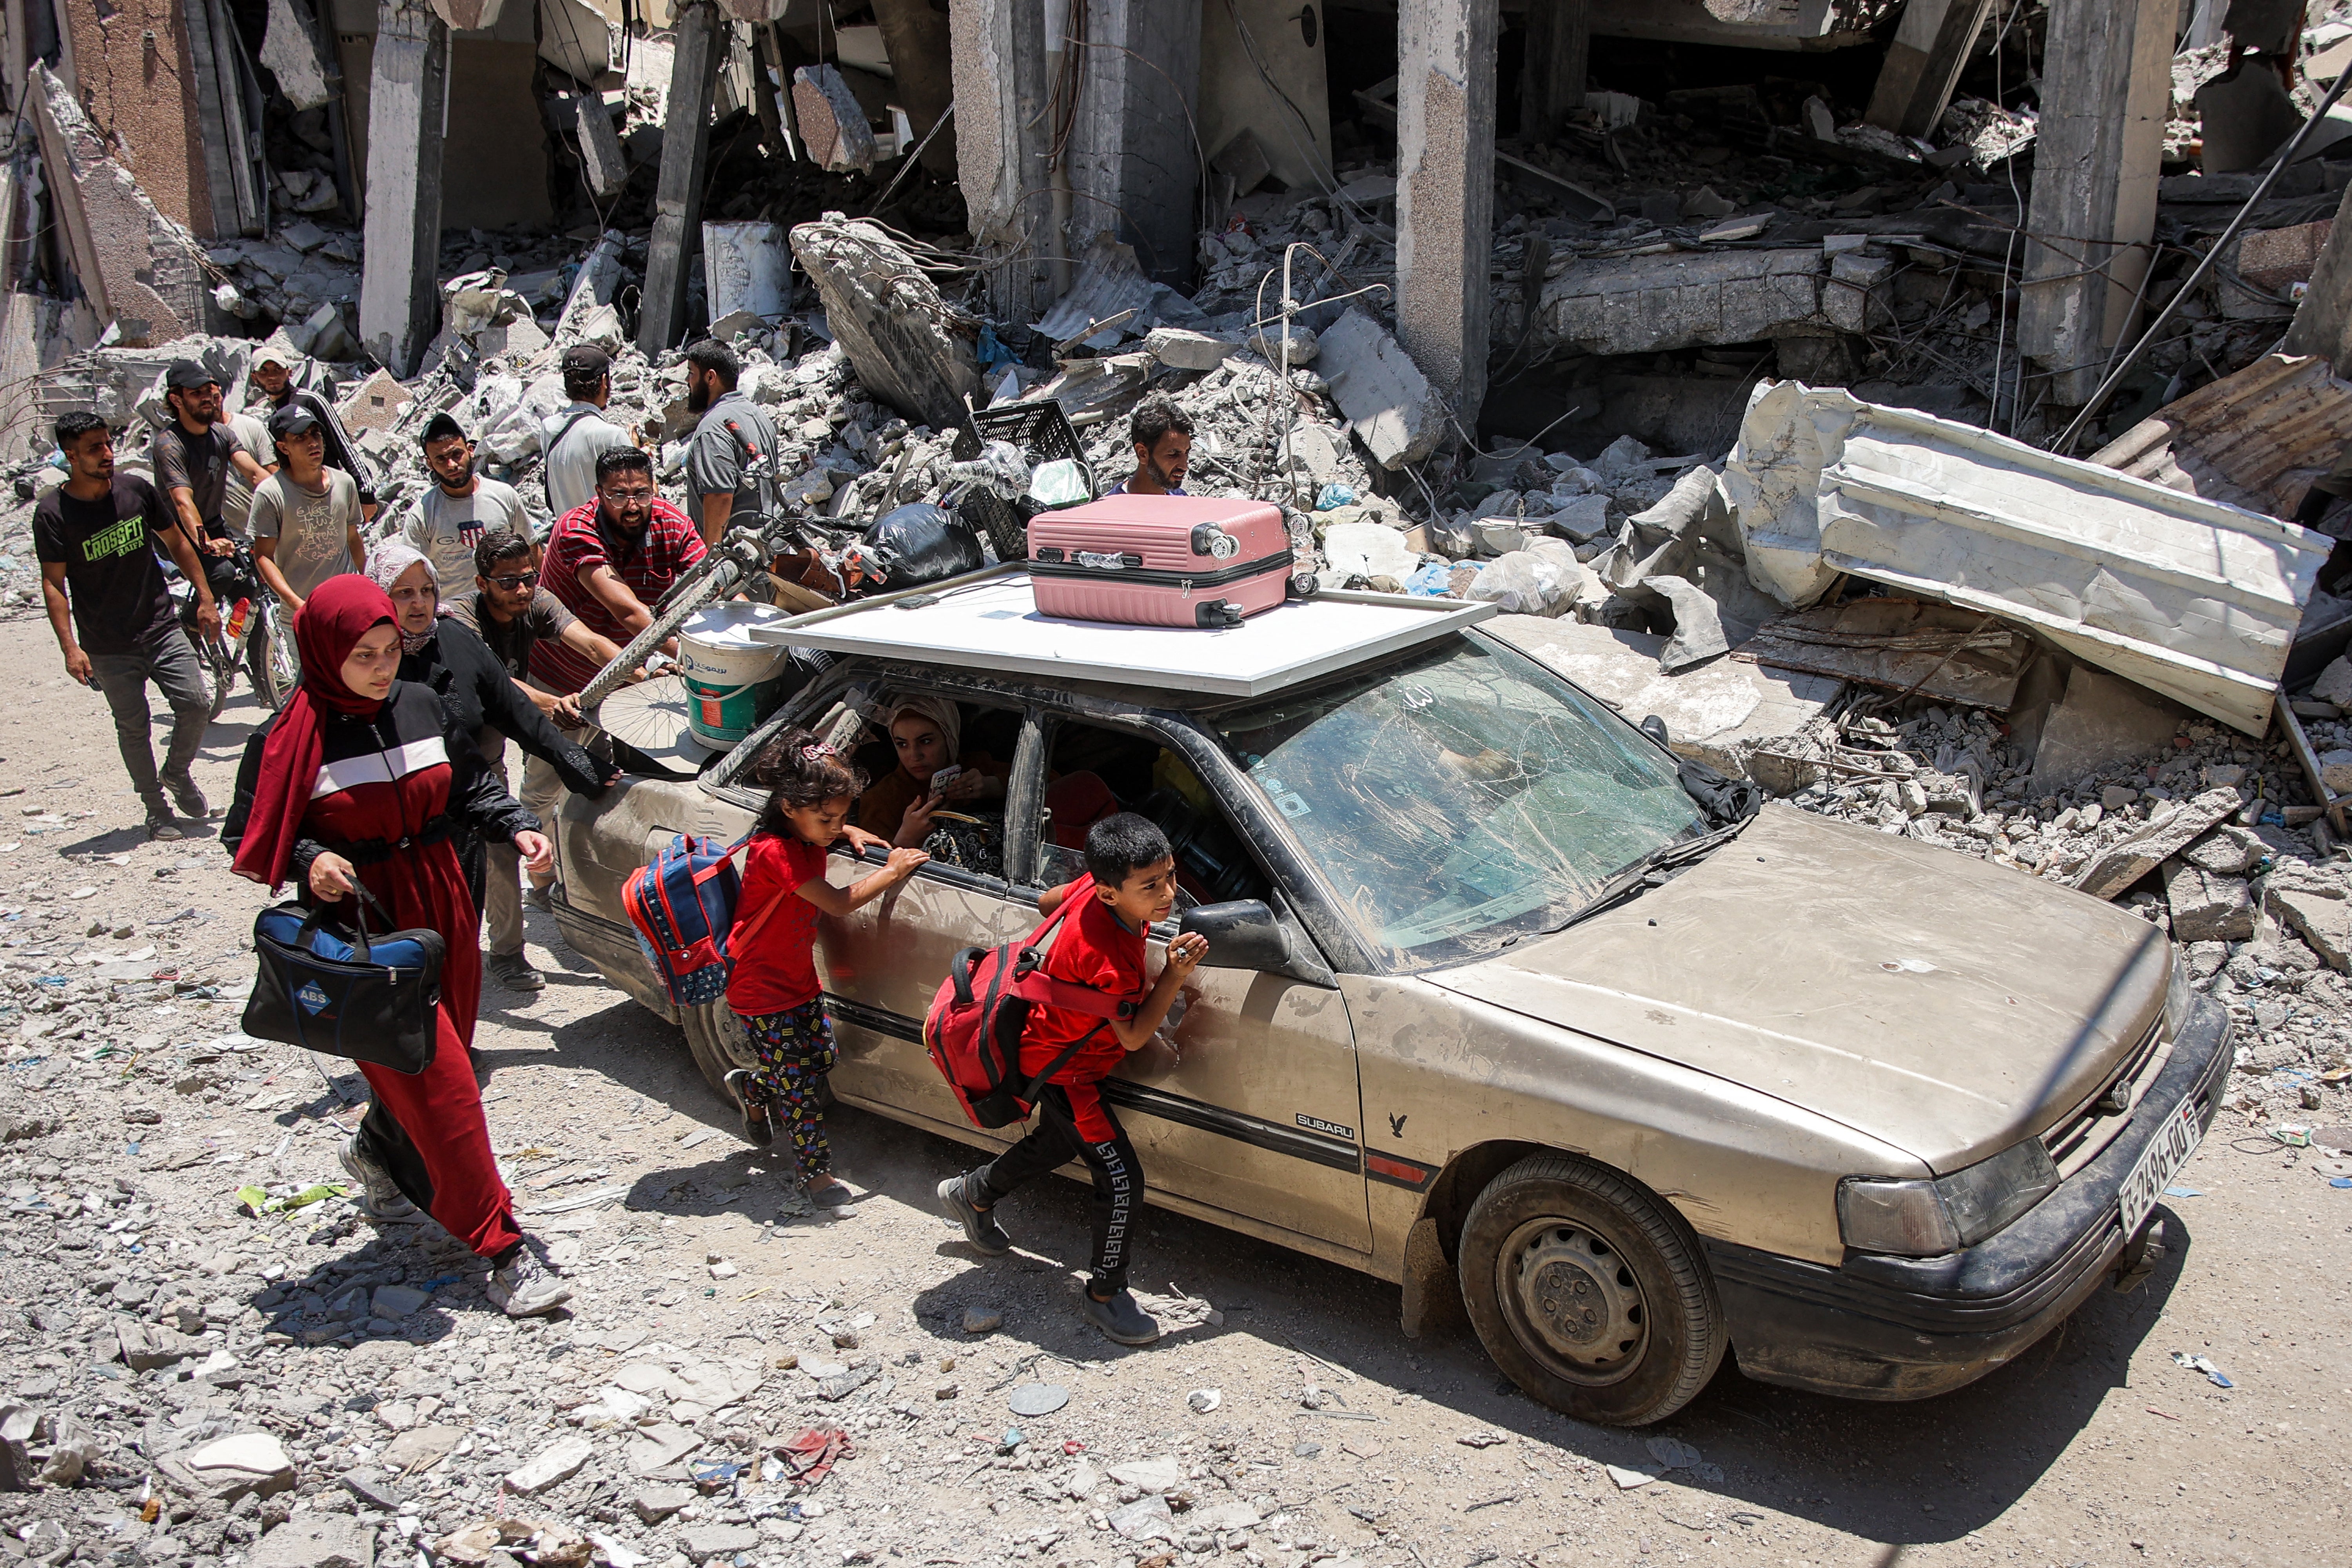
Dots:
(523, 1286)
(379, 1196)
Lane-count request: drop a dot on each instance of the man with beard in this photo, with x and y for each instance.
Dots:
(95, 537)
(193, 458)
(1162, 436)
(733, 432)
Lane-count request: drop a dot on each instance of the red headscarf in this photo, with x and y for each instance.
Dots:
(331, 622)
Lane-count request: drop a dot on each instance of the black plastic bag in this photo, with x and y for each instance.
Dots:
(908, 546)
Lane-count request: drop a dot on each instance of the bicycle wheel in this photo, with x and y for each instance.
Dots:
(272, 659)
(220, 669)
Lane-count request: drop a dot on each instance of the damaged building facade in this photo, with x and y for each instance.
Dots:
(1929, 409)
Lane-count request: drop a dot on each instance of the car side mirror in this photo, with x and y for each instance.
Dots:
(1655, 728)
(1243, 934)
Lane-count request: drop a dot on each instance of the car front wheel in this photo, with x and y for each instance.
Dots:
(1590, 1293)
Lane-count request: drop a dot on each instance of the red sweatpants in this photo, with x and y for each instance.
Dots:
(429, 1133)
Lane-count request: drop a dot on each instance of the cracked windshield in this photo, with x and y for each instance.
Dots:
(1462, 799)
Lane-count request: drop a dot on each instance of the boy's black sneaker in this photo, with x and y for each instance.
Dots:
(757, 1128)
(980, 1227)
(1120, 1318)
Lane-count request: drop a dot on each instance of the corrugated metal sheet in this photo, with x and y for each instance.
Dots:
(2186, 596)
(2255, 439)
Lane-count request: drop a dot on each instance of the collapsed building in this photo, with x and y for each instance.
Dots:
(1903, 400)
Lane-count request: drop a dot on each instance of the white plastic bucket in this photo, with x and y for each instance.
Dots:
(747, 267)
(730, 680)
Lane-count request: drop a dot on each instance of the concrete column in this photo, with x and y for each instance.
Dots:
(2107, 86)
(915, 35)
(1931, 43)
(997, 49)
(1133, 159)
(400, 285)
(1551, 80)
(685, 169)
(1445, 192)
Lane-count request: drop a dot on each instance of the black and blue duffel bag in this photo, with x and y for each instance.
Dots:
(340, 993)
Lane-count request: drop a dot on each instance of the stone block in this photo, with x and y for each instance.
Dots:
(316, 1541)
(2173, 829)
(833, 125)
(2323, 923)
(701, 1543)
(228, 1468)
(2206, 907)
(397, 1301)
(559, 1462)
(1580, 519)
(655, 1504)
(2104, 721)
(1398, 414)
(1181, 349)
(1854, 300)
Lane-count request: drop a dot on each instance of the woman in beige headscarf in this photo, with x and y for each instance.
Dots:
(927, 733)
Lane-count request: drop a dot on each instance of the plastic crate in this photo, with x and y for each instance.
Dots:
(1044, 434)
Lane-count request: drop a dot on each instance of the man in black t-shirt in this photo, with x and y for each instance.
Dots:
(96, 536)
(193, 455)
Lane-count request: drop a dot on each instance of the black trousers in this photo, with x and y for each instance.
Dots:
(1073, 1122)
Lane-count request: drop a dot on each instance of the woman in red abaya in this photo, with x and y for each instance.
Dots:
(351, 782)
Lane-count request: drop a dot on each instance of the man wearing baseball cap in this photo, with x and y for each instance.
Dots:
(273, 369)
(306, 516)
(193, 456)
(575, 437)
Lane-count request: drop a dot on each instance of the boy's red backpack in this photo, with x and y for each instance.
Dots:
(683, 906)
(974, 1025)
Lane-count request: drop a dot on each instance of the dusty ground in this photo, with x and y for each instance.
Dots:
(131, 1127)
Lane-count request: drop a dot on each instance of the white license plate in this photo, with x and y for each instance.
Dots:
(2158, 1163)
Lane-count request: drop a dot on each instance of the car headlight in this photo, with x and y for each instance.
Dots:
(2179, 995)
(1922, 1219)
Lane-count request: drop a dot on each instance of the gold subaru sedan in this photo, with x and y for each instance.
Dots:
(1505, 1004)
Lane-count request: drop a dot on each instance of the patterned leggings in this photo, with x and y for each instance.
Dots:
(796, 1052)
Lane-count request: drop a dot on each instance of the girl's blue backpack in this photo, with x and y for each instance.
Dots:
(683, 905)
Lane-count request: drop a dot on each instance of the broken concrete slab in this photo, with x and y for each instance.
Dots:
(2191, 598)
(602, 165)
(1716, 714)
(290, 48)
(909, 347)
(1643, 304)
(2319, 914)
(2170, 830)
(1398, 414)
(832, 126)
(2103, 721)
(316, 1541)
(2206, 907)
(1179, 349)
(229, 1467)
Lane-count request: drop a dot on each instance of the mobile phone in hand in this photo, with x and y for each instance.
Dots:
(944, 777)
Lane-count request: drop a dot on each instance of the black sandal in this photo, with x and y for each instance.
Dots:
(757, 1128)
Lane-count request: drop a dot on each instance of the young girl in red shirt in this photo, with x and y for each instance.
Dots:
(773, 986)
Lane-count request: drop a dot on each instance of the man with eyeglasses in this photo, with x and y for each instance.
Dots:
(511, 614)
(607, 562)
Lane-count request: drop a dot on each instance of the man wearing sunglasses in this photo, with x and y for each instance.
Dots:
(512, 613)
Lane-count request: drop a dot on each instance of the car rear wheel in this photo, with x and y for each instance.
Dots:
(1590, 1293)
(715, 1034)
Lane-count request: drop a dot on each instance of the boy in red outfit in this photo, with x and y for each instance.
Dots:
(1130, 885)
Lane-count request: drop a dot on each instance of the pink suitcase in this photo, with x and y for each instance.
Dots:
(1161, 560)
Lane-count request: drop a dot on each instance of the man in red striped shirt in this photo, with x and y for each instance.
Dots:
(608, 563)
